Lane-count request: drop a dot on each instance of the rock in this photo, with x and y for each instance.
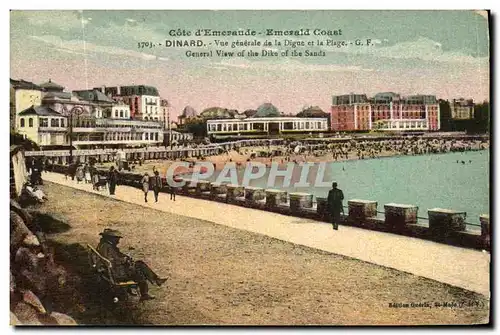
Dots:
(14, 321)
(26, 314)
(31, 241)
(18, 230)
(25, 259)
(63, 319)
(12, 283)
(31, 299)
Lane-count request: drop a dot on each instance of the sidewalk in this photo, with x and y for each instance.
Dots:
(465, 268)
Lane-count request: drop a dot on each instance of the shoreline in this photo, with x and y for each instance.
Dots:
(222, 159)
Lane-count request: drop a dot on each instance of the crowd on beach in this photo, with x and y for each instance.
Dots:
(302, 152)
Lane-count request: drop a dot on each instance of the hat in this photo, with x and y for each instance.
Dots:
(111, 232)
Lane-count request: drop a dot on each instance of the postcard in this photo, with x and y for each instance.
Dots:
(250, 167)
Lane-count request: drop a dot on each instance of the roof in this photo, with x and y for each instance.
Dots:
(93, 95)
(250, 112)
(189, 112)
(60, 95)
(267, 110)
(40, 111)
(51, 86)
(313, 111)
(131, 90)
(26, 85)
(218, 112)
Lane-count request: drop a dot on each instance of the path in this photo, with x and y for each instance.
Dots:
(461, 267)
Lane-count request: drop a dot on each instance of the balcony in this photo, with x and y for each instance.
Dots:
(53, 129)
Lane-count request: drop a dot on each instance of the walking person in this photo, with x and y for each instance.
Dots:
(79, 174)
(171, 189)
(156, 184)
(335, 206)
(145, 186)
(88, 177)
(112, 180)
(95, 178)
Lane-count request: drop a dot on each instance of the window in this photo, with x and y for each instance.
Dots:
(121, 113)
(44, 122)
(30, 122)
(53, 122)
(116, 113)
(22, 122)
(62, 123)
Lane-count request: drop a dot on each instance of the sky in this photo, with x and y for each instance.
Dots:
(444, 53)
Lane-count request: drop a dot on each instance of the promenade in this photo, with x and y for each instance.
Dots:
(464, 268)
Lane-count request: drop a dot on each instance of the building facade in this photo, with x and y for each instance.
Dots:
(144, 101)
(266, 125)
(23, 94)
(43, 125)
(462, 109)
(100, 122)
(385, 111)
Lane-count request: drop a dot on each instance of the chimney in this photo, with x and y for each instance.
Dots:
(103, 89)
(118, 90)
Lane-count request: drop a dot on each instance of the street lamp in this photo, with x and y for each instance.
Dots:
(76, 110)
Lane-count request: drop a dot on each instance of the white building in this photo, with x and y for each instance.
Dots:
(23, 94)
(43, 125)
(120, 111)
(151, 108)
(266, 125)
(176, 137)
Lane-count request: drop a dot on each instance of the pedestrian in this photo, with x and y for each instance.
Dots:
(72, 170)
(145, 186)
(172, 189)
(112, 180)
(157, 184)
(88, 177)
(335, 206)
(95, 178)
(79, 173)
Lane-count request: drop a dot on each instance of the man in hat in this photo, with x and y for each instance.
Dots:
(335, 207)
(124, 267)
(157, 184)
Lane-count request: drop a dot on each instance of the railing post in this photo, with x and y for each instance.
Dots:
(397, 216)
(444, 221)
(361, 210)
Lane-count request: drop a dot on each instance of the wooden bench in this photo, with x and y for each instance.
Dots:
(103, 267)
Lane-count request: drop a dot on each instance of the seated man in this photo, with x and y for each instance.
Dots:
(124, 267)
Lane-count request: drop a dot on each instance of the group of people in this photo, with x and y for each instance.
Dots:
(88, 174)
(155, 183)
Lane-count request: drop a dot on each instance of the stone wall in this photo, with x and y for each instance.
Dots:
(33, 273)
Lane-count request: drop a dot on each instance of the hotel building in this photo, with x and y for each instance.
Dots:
(103, 122)
(462, 109)
(144, 101)
(385, 111)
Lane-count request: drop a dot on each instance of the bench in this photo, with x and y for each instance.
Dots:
(103, 267)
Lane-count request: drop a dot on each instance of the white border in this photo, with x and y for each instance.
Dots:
(190, 4)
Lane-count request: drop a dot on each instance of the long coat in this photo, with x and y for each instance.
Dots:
(156, 183)
(145, 184)
(335, 197)
(121, 269)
